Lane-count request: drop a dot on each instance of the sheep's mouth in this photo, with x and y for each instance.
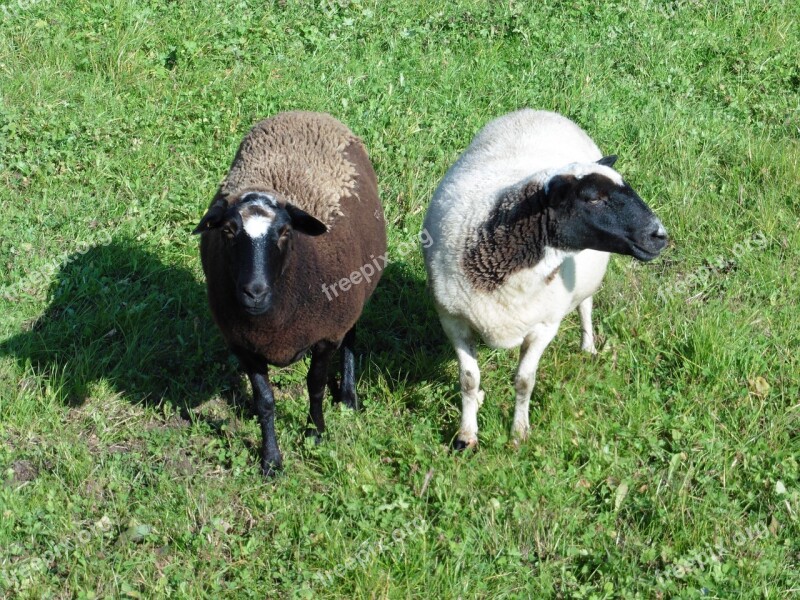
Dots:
(255, 311)
(646, 254)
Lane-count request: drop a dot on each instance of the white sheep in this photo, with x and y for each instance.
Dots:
(521, 227)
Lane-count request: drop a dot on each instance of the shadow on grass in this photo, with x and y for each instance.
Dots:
(401, 329)
(406, 343)
(118, 314)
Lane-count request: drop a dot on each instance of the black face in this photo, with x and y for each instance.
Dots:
(258, 235)
(595, 213)
(256, 262)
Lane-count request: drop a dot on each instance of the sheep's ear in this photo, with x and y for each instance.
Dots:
(558, 188)
(304, 222)
(608, 161)
(212, 218)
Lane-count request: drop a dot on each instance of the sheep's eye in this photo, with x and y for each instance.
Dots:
(285, 237)
(595, 199)
(228, 233)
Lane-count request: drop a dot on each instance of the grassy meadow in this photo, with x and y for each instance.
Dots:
(665, 467)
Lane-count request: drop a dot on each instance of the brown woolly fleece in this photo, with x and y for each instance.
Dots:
(316, 163)
(301, 155)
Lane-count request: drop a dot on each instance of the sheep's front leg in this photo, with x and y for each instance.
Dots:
(348, 387)
(316, 379)
(587, 336)
(463, 341)
(532, 349)
(271, 459)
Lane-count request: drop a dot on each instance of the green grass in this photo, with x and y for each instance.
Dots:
(128, 456)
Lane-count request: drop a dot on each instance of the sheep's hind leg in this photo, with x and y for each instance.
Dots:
(316, 380)
(348, 387)
(264, 400)
(531, 352)
(587, 335)
(462, 338)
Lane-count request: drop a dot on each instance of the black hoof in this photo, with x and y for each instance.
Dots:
(461, 445)
(270, 468)
(313, 433)
(351, 401)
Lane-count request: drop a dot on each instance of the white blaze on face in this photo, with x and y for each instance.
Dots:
(256, 226)
(257, 219)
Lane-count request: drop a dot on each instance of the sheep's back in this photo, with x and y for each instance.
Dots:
(505, 152)
(301, 155)
(315, 162)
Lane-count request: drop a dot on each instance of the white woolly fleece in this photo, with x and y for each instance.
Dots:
(506, 151)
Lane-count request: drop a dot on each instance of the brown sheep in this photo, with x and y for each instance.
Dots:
(297, 217)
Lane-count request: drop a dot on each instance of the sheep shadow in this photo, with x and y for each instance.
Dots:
(400, 327)
(119, 315)
(401, 336)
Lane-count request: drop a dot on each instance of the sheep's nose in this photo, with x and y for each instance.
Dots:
(659, 232)
(255, 292)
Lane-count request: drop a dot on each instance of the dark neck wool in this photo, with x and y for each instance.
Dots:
(512, 238)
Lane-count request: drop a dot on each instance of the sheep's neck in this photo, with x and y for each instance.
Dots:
(512, 238)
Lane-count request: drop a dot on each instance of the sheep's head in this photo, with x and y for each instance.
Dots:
(591, 207)
(257, 231)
